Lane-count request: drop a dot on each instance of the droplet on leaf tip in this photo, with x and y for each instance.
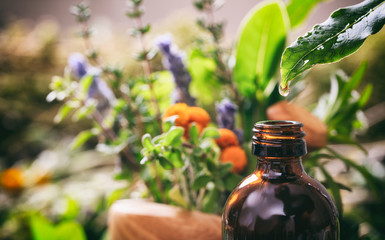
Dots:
(284, 91)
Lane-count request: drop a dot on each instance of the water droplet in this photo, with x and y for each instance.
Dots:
(284, 91)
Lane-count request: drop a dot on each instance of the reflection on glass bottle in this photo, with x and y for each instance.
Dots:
(279, 201)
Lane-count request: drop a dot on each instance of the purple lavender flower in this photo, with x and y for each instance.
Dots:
(173, 61)
(99, 88)
(78, 64)
(226, 110)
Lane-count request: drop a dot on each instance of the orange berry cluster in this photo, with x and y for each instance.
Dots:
(188, 115)
(231, 151)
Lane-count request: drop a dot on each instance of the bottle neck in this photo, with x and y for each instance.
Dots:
(280, 167)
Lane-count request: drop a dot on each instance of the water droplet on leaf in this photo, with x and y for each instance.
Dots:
(284, 91)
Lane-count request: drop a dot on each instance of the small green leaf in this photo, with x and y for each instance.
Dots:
(146, 142)
(165, 163)
(365, 96)
(260, 45)
(201, 182)
(85, 110)
(63, 112)
(173, 136)
(210, 132)
(339, 36)
(69, 230)
(176, 158)
(194, 133)
(81, 138)
(85, 84)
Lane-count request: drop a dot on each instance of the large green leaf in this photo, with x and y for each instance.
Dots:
(41, 228)
(260, 45)
(299, 9)
(342, 34)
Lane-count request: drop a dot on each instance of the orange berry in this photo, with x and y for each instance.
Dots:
(12, 179)
(199, 115)
(227, 138)
(235, 155)
(181, 110)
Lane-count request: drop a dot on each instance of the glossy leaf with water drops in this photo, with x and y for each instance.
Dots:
(339, 36)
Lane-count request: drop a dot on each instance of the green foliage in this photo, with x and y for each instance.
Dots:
(340, 109)
(339, 36)
(259, 48)
(205, 85)
(42, 229)
(298, 10)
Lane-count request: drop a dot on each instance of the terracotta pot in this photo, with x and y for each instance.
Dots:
(144, 220)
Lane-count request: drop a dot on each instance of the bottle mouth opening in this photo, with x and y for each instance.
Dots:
(278, 124)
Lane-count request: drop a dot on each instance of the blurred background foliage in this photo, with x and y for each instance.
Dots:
(71, 187)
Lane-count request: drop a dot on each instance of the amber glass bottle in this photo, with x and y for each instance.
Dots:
(279, 201)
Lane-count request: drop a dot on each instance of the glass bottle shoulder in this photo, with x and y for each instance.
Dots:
(301, 203)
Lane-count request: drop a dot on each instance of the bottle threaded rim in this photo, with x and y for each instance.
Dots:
(282, 138)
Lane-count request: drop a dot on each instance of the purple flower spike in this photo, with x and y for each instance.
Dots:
(226, 110)
(79, 64)
(99, 88)
(173, 61)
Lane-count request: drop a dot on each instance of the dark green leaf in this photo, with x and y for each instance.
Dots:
(260, 46)
(210, 132)
(342, 34)
(173, 136)
(81, 138)
(339, 185)
(369, 178)
(165, 163)
(225, 168)
(232, 180)
(335, 190)
(299, 9)
(146, 142)
(211, 201)
(201, 182)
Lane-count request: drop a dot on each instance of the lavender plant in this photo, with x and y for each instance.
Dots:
(173, 61)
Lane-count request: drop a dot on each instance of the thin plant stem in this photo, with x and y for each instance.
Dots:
(147, 71)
